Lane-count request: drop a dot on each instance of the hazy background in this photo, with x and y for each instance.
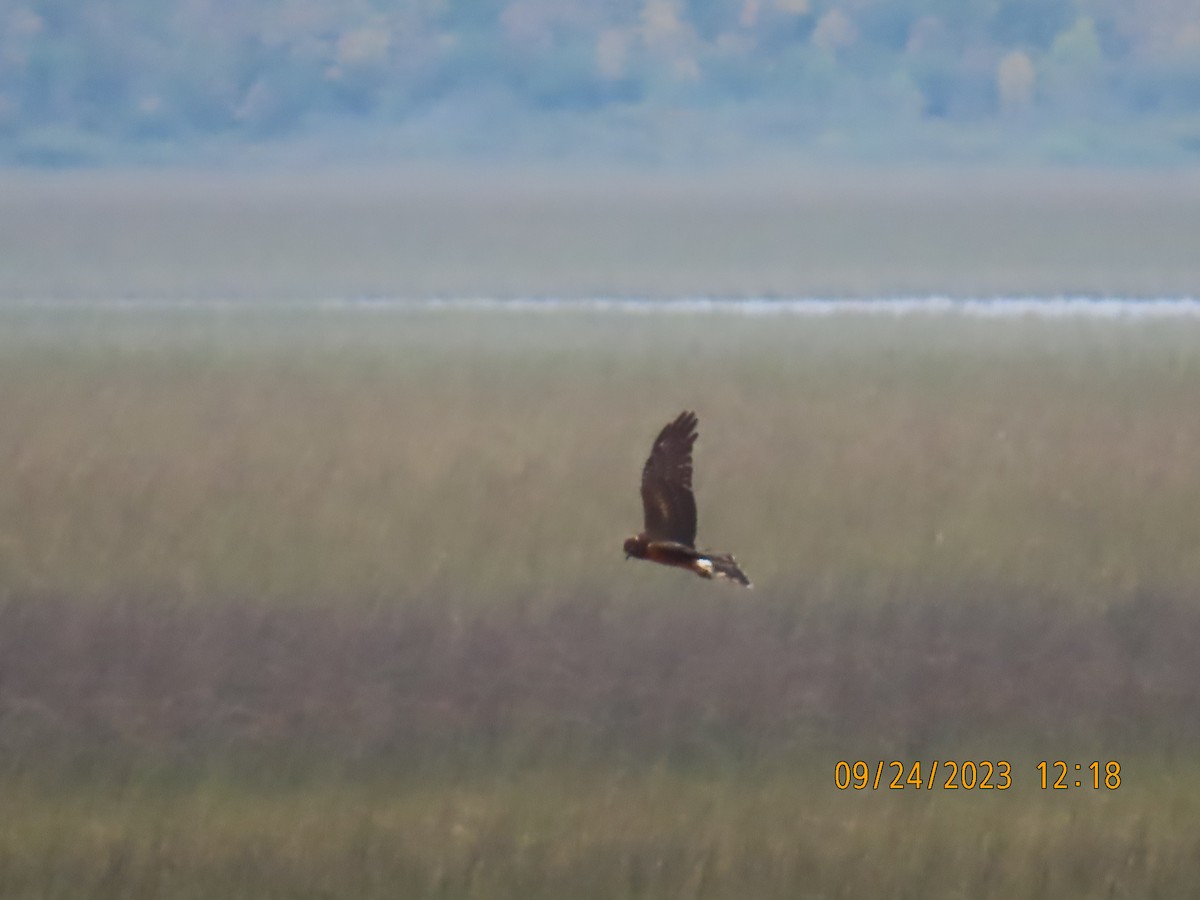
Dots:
(488, 232)
(302, 597)
(647, 82)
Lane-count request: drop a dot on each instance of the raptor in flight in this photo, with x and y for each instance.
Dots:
(669, 536)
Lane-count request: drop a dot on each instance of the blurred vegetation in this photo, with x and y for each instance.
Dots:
(437, 232)
(275, 454)
(315, 602)
(593, 834)
(1075, 81)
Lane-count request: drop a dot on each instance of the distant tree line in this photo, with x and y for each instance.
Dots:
(1070, 79)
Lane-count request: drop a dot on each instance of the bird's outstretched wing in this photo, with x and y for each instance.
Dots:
(667, 499)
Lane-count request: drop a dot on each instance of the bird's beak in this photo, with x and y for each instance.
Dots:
(627, 556)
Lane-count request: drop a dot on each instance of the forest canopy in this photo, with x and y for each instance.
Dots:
(1060, 81)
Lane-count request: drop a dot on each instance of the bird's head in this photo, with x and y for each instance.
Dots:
(635, 546)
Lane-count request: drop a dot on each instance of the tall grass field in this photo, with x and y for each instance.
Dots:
(326, 602)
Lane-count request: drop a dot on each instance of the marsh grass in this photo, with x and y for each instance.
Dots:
(315, 603)
(696, 683)
(584, 833)
(483, 456)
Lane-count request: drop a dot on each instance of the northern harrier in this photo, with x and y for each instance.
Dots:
(669, 537)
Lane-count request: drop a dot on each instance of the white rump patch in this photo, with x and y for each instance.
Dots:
(705, 566)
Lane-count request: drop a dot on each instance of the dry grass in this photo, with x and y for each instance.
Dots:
(322, 604)
(699, 681)
(485, 456)
(588, 833)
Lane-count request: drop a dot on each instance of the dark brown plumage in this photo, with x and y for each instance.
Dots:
(669, 533)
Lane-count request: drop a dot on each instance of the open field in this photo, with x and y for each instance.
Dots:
(391, 453)
(332, 603)
(588, 833)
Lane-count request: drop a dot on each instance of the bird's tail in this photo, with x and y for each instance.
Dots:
(725, 566)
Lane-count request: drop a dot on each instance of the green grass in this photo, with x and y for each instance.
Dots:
(332, 604)
(587, 833)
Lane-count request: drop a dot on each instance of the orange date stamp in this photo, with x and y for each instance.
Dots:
(946, 775)
(1060, 775)
(970, 775)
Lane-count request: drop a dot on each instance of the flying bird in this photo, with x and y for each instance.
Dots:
(669, 535)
